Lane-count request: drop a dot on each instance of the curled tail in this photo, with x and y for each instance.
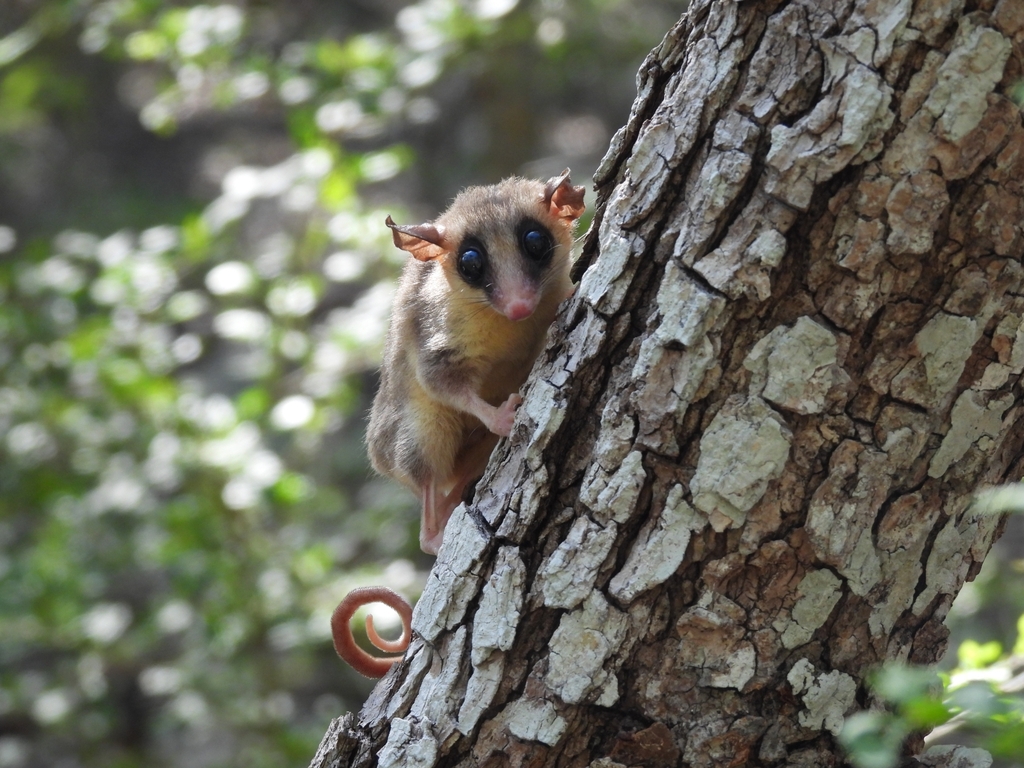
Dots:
(345, 643)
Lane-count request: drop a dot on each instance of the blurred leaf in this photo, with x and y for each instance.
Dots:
(195, 237)
(1018, 646)
(975, 655)
(1005, 498)
(924, 713)
(292, 488)
(15, 44)
(146, 45)
(872, 740)
(976, 698)
(1007, 742)
(252, 403)
(900, 683)
(337, 189)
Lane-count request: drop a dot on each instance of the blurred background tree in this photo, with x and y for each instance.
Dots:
(194, 283)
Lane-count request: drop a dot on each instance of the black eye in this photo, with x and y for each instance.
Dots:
(471, 264)
(536, 244)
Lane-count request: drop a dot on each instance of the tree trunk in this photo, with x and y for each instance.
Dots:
(742, 472)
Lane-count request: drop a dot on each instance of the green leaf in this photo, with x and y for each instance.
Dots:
(1018, 647)
(147, 45)
(292, 488)
(976, 698)
(924, 712)
(872, 739)
(313, 564)
(338, 189)
(303, 128)
(1007, 742)
(975, 655)
(252, 403)
(331, 56)
(900, 683)
(195, 237)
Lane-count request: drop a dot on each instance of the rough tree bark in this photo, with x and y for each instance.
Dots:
(742, 471)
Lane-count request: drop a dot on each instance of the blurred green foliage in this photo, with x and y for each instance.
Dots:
(977, 699)
(978, 702)
(192, 304)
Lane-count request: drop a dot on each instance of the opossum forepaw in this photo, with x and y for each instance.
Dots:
(505, 414)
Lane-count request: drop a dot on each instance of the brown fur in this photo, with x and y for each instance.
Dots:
(450, 343)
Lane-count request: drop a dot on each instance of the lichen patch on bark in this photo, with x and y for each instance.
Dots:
(743, 449)
(827, 697)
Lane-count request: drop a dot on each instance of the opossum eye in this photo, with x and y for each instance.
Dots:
(536, 244)
(471, 264)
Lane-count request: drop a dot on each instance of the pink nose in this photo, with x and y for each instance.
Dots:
(519, 310)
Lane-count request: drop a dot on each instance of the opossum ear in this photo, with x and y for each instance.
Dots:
(564, 200)
(423, 241)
